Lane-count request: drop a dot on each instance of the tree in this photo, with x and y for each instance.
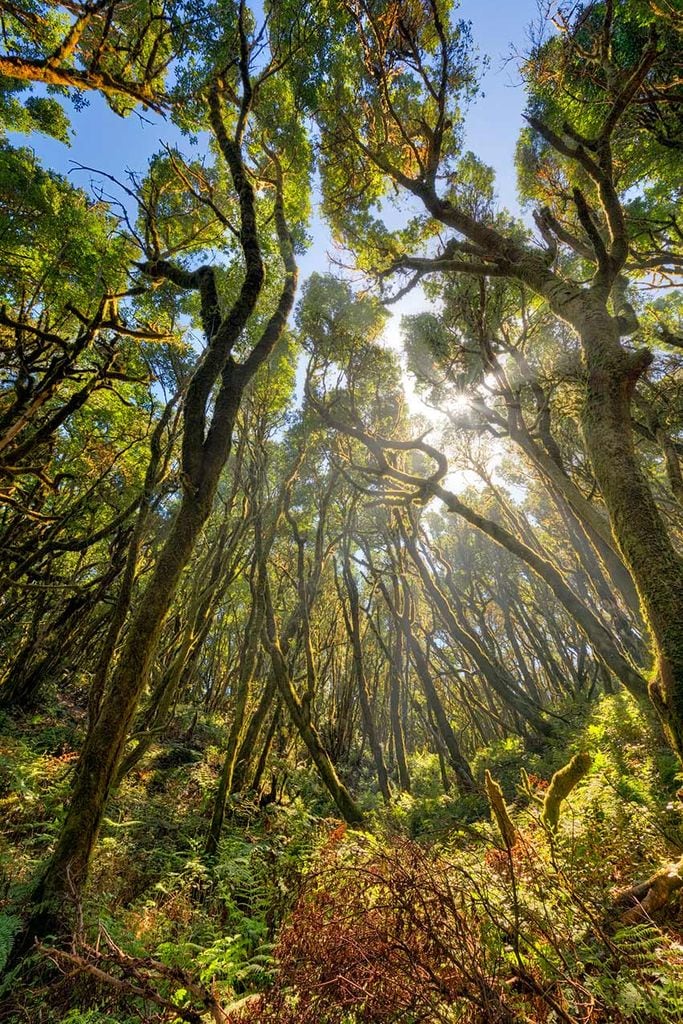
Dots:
(120, 49)
(389, 118)
(212, 400)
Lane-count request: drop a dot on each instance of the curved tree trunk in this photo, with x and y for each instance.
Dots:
(402, 618)
(636, 523)
(251, 735)
(246, 674)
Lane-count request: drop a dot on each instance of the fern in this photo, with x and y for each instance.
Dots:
(638, 944)
(9, 926)
(646, 988)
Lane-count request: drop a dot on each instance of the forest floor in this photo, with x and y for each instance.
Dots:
(428, 913)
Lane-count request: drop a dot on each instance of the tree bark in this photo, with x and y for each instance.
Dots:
(245, 677)
(458, 761)
(636, 522)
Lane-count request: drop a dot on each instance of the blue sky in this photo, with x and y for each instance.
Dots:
(103, 140)
(499, 28)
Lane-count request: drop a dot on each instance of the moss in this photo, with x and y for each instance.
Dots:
(500, 811)
(561, 785)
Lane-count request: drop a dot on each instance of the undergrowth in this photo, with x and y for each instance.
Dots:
(425, 915)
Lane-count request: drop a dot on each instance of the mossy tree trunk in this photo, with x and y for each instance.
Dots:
(637, 525)
(205, 449)
(403, 619)
(251, 735)
(247, 666)
(493, 672)
(155, 468)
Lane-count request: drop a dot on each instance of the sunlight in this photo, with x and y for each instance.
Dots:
(415, 404)
(457, 407)
(460, 404)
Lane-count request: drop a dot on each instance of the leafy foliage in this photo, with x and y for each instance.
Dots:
(325, 698)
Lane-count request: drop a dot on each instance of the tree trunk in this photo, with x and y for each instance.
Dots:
(239, 710)
(255, 784)
(638, 528)
(459, 763)
(251, 735)
(493, 672)
(395, 680)
(353, 631)
(300, 715)
(67, 870)
(595, 525)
